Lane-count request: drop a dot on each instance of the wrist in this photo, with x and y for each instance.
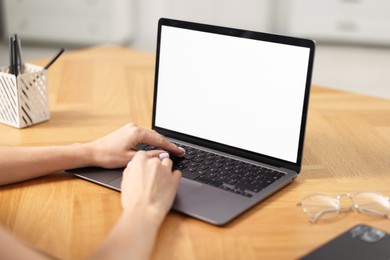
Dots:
(87, 154)
(83, 154)
(133, 237)
(146, 214)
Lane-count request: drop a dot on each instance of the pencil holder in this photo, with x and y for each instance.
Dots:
(24, 99)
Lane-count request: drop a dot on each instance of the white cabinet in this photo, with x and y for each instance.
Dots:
(70, 21)
(362, 21)
(246, 14)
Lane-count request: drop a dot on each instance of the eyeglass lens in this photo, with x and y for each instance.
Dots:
(326, 207)
(371, 203)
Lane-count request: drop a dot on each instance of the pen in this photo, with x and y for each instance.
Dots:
(54, 58)
(16, 55)
(19, 53)
(11, 58)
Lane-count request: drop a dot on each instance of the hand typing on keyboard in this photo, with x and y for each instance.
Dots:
(222, 172)
(118, 148)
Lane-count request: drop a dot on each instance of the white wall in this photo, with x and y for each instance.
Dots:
(246, 14)
(357, 68)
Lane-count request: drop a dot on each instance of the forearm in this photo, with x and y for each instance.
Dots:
(22, 163)
(13, 248)
(133, 237)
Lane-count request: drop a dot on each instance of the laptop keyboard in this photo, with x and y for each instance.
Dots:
(222, 172)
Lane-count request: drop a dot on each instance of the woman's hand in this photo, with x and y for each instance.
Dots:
(148, 190)
(118, 148)
(149, 185)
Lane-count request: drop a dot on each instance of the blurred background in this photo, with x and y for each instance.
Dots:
(353, 36)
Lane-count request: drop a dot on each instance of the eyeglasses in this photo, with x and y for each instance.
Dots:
(320, 206)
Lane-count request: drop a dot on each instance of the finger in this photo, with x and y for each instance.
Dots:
(137, 156)
(157, 140)
(128, 164)
(176, 174)
(163, 156)
(140, 156)
(167, 162)
(155, 153)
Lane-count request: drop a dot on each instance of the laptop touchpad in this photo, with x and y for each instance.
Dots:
(187, 187)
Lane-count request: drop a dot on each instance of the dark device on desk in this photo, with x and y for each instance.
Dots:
(360, 242)
(237, 101)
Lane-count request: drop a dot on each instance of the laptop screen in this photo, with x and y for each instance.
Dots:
(237, 91)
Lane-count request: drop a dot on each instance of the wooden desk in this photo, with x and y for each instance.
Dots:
(95, 91)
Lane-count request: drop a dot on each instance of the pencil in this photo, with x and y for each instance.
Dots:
(54, 58)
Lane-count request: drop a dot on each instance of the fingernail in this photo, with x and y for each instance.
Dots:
(163, 155)
(128, 164)
(182, 149)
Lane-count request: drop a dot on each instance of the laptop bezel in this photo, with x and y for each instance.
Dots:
(294, 41)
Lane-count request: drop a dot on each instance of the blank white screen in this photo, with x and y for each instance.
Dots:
(240, 92)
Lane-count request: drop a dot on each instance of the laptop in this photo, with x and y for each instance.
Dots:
(237, 101)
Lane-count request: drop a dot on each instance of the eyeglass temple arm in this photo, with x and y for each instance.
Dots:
(317, 216)
(313, 219)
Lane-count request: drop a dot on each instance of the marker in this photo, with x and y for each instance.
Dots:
(54, 58)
